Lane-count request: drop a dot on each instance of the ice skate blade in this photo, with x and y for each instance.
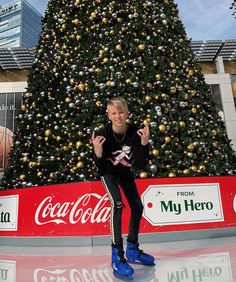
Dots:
(121, 277)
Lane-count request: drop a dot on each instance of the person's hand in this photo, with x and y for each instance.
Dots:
(97, 144)
(144, 135)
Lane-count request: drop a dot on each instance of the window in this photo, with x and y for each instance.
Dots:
(9, 107)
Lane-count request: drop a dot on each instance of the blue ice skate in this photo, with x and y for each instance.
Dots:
(121, 269)
(135, 255)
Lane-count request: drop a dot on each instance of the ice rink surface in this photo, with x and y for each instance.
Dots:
(205, 260)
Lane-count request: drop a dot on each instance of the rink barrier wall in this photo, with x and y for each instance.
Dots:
(78, 213)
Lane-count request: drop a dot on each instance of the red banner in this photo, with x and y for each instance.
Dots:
(82, 209)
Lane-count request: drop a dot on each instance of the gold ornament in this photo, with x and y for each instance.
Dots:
(118, 47)
(162, 127)
(173, 89)
(79, 143)
(194, 168)
(105, 60)
(81, 86)
(39, 173)
(76, 21)
(80, 165)
(171, 174)
(25, 159)
(186, 171)
(23, 108)
(148, 98)
(98, 103)
(202, 168)
(215, 144)
(182, 124)
(143, 174)
(32, 164)
(158, 76)
(194, 110)
(104, 20)
(93, 15)
(214, 132)
(63, 27)
(186, 96)
(190, 73)
(70, 145)
(191, 147)
(155, 152)
(47, 132)
(28, 94)
(141, 47)
(128, 81)
(68, 100)
(146, 122)
(167, 139)
(172, 64)
(101, 52)
(22, 176)
(164, 96)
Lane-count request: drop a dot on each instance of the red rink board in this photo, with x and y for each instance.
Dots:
(82, 209)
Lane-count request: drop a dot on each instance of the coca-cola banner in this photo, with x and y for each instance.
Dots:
(212, 263)
(82, 209)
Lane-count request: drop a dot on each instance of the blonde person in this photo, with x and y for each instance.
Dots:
(118, 147)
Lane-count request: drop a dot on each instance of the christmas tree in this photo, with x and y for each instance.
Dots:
(90, 51)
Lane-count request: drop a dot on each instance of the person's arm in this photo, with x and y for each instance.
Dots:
(99, 152)
(141, 148)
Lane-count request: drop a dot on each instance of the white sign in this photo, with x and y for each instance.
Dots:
(235, 203)
(9, 213)
(182, 204)
(7, 271)
(208, 268)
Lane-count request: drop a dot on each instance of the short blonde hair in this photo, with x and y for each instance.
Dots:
(118, 102)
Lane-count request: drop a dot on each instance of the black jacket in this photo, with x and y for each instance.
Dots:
(121, 152)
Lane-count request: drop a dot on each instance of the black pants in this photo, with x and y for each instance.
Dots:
(129, 188)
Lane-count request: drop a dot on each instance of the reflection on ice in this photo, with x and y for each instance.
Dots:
(180, 262)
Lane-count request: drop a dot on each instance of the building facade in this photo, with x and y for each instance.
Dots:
(20, 25)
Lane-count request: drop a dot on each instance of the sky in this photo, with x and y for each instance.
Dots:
(203, 19)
